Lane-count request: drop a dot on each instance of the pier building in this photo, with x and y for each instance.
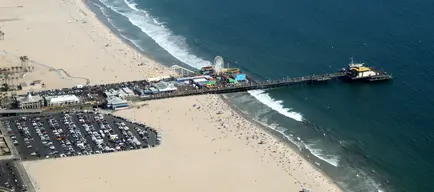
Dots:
(30, 101)
(115, 103)
(61, 100)
(358, 71)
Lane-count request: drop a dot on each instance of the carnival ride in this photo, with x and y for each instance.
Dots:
(218, 68)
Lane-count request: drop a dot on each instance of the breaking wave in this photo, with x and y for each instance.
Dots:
(276, 105)
(104, 12)
(319, 153)
(174, 44)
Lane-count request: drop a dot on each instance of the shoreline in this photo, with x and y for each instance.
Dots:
(279, 137)
(140, 54)
(191, 147)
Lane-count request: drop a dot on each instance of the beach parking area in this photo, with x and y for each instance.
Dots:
(74, 134)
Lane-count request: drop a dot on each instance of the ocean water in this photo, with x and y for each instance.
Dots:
(367, 137)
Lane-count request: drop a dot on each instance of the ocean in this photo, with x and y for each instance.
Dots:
(366, 137)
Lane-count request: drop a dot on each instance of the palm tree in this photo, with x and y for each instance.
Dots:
(2, 99)
(14, 83)
(11, 81)
(27, 61)
(5, 85)
(18, 80)
(24, 61)
(7, 78)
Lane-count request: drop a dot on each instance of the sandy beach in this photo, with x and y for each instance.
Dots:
(201, 150)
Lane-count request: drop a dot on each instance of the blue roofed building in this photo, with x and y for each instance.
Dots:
(115, 103)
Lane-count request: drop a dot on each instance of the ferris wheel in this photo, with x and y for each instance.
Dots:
(218, 64)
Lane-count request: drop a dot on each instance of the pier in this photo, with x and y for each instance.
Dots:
(251, 85)
(99, 96)
(209, 80)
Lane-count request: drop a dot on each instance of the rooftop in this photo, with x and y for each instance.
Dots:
(111, 92)
(115, 100)
(29, 98)
(164, 86)
(128, 91)
(62, 98)
(160, 85)
(361, 69)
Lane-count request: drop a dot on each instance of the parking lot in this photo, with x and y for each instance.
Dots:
(9, 177)
(79, 133)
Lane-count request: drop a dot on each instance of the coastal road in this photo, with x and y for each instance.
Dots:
(10, 176)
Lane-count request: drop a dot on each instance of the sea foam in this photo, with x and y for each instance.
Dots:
(276, 105)
(319, 153)
(174, 44)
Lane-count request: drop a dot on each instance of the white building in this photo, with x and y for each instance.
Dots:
(115, 103)
(128, 92)
(30, 101)
(122, 93)
(165, 86)
(61, 100)
(111, 92)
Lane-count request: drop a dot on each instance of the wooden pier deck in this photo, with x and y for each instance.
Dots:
(247, 86)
